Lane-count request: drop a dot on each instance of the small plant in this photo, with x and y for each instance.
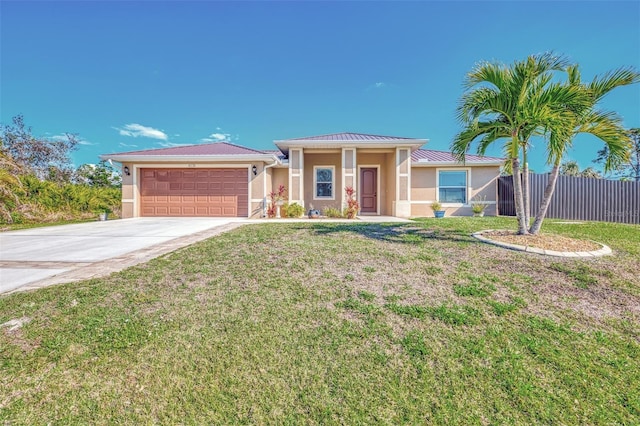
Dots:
(437, 209)
(293, 210)
(332, 212)
(479, 205)
(275, 199)
(353, 206)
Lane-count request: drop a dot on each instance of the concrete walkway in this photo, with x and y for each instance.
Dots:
(41, 257)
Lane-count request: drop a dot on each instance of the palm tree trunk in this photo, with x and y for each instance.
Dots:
(546, 199)
(525, 190)
(517, 195)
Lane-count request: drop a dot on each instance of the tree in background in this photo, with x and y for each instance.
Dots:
(629, 170)
(10, 186)
(36, 180)
(571, 168)
(587, 118)
(101, 175)
(47, 159)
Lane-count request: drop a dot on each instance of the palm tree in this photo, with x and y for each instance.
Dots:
(570, 168)
(630, 170)
(606, 126)
(513, 104)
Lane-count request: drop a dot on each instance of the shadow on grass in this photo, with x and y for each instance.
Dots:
(405, 233)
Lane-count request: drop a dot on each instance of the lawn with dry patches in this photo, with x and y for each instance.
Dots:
(336, 323)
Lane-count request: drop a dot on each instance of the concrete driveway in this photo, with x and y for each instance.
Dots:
(39, 257)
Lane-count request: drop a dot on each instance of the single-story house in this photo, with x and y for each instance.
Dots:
(392, 176)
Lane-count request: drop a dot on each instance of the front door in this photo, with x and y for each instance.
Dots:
(369, 190)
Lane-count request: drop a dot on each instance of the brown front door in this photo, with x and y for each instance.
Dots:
(369, 190)
(194, 192)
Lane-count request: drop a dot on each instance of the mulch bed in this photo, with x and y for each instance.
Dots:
(543, 241)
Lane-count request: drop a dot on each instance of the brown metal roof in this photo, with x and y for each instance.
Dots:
(428, 155)
(217, 148)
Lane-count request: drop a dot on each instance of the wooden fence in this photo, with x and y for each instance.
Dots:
(578, 198)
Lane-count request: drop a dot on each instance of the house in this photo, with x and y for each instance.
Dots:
(391, 175)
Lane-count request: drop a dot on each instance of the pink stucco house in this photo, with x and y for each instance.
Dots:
(392, 176)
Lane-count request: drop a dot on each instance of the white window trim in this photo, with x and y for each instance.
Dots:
(468, 187)
(333, 183)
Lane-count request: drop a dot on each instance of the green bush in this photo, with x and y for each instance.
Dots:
(332, 212)
(46, 201)
(293, 210)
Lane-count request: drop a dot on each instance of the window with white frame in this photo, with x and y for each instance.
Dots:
(323, 180)
(452, 186)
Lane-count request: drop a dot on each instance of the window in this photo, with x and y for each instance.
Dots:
(323, 182)
(452, 186)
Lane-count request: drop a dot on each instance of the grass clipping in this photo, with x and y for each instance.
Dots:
(542, 241)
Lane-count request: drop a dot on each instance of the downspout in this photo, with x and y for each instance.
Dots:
(264, 184)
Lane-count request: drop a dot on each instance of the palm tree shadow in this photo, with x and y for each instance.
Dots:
(405, 233)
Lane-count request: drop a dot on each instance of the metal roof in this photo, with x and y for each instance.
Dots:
(229, 151)
(217, 148)
(349, 136)
(428, 155)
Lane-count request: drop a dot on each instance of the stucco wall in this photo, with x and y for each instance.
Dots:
(311, 160)
(483, 182)
(128, 193)
(279, 177)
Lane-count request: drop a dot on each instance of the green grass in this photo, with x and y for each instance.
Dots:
(18, 226)
(322, 323)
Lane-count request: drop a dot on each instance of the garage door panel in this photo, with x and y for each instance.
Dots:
(186, 192)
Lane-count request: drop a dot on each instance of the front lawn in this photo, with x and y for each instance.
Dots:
(336, 323)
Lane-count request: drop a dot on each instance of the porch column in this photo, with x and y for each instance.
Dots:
(296, 176)
(348, 173)
(402, 203)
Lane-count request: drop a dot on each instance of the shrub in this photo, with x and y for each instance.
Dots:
(479, 204)
(353, 206)
(331, 212)
(293, 210)
(436, 206)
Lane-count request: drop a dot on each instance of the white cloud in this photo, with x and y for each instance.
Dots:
(59, 138)
(379, 85)
(127, 145)
(218, 136)
(138, 130)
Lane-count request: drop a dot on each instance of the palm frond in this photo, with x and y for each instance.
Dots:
(602, 85)
(492, 73)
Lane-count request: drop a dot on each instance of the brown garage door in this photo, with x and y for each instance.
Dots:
(194, 192)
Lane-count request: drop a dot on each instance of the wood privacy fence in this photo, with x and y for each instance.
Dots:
(578, 198)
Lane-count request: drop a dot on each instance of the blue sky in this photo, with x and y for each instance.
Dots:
(137, 75)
